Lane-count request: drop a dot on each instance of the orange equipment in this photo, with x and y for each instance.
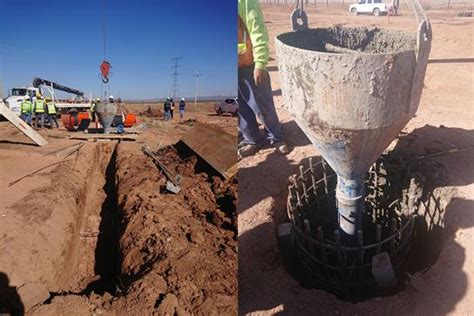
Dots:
(72, 120)
(130, 120)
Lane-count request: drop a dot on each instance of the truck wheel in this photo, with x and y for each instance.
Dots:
(354, 11)
(376, 12)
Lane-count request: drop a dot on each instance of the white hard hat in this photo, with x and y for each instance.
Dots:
(111, 96)
(182, 99)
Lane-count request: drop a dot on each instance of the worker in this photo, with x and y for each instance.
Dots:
(254, 86)
(182, 106)
(52, 113)
(167, 108)
(39, 109)
(93, 108)
(111, 99)
(26, 108)
(171, 108)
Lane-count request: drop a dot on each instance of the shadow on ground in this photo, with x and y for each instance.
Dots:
(10, 301)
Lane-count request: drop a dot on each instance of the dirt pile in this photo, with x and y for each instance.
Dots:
(151, 112)
(174, 260)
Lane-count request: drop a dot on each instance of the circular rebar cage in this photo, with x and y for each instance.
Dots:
(329, 258)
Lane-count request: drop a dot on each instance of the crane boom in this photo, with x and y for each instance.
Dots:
(38, 82)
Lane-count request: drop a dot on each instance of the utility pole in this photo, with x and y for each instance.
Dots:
(196, 75)
(174, 76)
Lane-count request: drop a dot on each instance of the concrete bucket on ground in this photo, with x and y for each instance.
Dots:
(352, 90)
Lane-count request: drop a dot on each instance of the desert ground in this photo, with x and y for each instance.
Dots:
(97, 233)
(444, 122)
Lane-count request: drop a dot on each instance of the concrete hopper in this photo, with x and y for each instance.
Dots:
(352, 90)
(106, 113)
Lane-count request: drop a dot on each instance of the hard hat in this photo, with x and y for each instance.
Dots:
(111, 96)
(168, 99)
(27, 98)
(182, 99)
(38, 95)
(47, 99)
(97, 99)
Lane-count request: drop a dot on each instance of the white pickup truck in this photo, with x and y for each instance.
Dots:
(375, 7)
(230, 106)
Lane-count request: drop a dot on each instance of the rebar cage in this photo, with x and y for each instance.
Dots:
(332, 260)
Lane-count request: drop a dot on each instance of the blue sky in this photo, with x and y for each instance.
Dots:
(62, 41)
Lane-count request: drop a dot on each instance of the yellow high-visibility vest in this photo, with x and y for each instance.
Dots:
(39, 106)
(26, 107)
(51, 108)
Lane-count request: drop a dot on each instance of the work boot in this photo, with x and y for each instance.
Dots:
(282, 147)
(246, 150)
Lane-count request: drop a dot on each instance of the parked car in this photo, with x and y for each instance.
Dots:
(229, 106)
(375, 7)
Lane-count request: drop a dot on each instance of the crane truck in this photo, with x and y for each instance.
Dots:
(18, 94)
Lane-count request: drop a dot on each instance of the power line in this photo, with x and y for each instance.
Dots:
(174, 76)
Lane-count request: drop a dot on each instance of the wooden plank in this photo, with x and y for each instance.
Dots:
(104, 136)
(21, 125)
(216, 147)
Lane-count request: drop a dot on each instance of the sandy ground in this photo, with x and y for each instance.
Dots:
(98, 233)
(444, 121)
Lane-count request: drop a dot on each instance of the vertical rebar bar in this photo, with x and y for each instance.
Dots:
(323, 249)
(307, 229)
(378, 238)
(393, 229)
(325, 176)
(360, 242)
(337, 240)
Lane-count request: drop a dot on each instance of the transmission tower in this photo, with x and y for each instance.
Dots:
(174, 76)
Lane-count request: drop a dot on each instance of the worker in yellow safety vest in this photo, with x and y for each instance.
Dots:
(52, 113)
(39, 109)
(26, 108)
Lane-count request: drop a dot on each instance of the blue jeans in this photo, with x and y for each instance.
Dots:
(26, 117)
(38, 117)
(181, 113)
(257, 102)
(167, 115)
(52, 118)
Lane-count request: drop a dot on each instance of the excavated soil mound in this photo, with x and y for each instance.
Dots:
(151, 112)
(179, 251)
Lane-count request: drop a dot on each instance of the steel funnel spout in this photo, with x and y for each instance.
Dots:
(352, 90)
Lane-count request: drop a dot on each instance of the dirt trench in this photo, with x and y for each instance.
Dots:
(136, 248)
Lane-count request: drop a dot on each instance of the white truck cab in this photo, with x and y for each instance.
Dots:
(16, 97)
(375, 7)
(41, 86)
